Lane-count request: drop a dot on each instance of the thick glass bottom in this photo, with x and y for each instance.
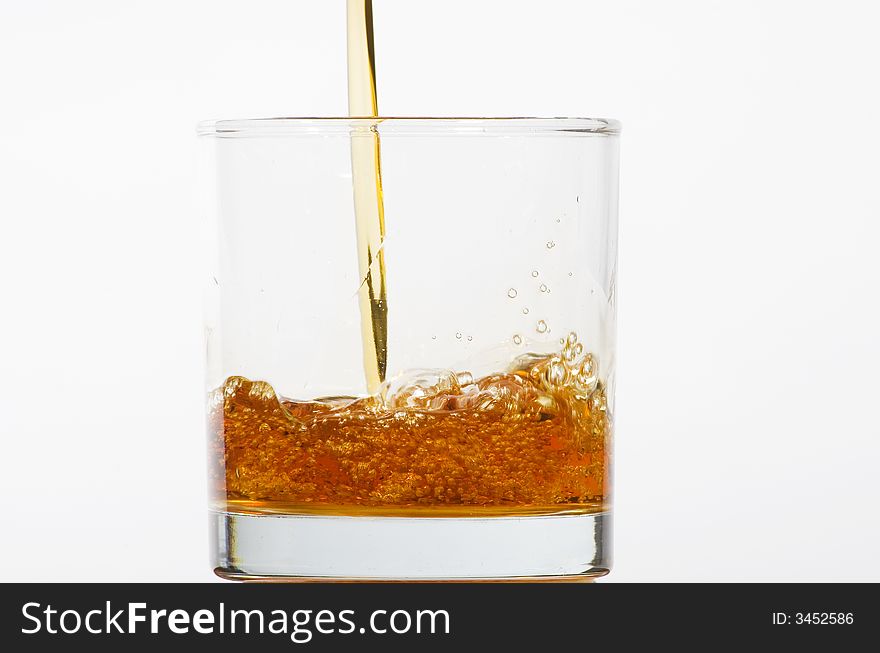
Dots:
(333, 548)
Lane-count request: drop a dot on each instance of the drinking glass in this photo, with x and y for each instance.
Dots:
(485, 453)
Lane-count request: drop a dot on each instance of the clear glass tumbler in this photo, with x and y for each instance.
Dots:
(411, 342)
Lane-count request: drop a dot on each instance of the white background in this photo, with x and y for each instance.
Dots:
(748, 444)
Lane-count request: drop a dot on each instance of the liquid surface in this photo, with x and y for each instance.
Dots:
(532, 438)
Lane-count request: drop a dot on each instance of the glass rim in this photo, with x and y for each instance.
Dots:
(410, 125)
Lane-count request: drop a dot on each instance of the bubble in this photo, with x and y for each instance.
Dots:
(505, 393)
(470, 338)
(562, 341)
(541, 326)
(525, 310)
(458, 335)
(571, 274)
(433, 337)
(557, 373)
(550, 244)
(534, 273)
(418, 388)
(558, 220)
(588, 365)
(586, 378)
(517, 339)
(543, 288)
(572, 339)
(511, 293)
(464, 378)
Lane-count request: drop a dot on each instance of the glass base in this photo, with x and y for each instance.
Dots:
(333, 548)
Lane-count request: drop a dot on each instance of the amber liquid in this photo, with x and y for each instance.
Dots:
(531, 439)
(369, 207)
